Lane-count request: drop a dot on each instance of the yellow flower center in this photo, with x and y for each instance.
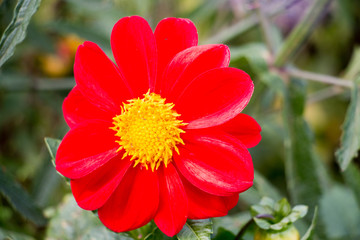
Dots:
(149, 130)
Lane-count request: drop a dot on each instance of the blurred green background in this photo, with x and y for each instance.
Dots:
(37, 78)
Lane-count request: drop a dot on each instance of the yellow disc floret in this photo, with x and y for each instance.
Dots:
(149, 130)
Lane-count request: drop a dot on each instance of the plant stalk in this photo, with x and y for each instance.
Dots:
(301, 32)
(319, 77)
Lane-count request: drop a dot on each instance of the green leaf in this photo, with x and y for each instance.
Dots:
(352, 70)
(232, 222)
(52, 145)
(223, 234)
(9, 235)
(16, 30)
(283, 207)
(310, 230)
(156, 234)
(303, 170)
(273, 81)
(255, 53)
(149, 232)
(71, 222)
(271, 215)
(340, 213)
(196, 229)
(352, 178)
(350, 139)
(20, 199)
(46, 184)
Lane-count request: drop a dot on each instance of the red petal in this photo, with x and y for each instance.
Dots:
(85, 148)
(172, 36)
(214, 97)
(134, 47)
(215, 162)
(172, 212)
(98, 79)
(189, 64)
(77, 109)
(204, 205)
(93, 190)
(134, 203)
(243, 127)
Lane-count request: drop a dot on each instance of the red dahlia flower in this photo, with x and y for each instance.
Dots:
(160, 135)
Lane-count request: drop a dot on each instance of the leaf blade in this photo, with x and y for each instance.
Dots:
(20, 199)
(196, 229)
(52, 145)
(352, 179)
(339, 212)
(350, 139)
(305, 180)
(71, 222)
(310, 231)
(5, 234)
(16, 30)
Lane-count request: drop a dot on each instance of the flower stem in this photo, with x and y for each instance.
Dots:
(319, 77)
(249, 223)
(301, 32)
(246, 24)
(324, 94)
(265, 28)
(244, 228)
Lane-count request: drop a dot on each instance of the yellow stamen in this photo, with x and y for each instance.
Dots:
(149, 130)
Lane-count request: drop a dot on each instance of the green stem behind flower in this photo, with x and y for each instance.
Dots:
(301, 31)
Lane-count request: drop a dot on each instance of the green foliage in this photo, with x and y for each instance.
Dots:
(30, 106)
(277, 216)
(264, 187)
(352, 178)
(353, 69)
(350, 140)
(223, 234)
(274, 82)
(243, 26)
(71, 222)
(301, 32)
(52, 145)
(261, 188)
(196, 229)
(309, 233)
(339, 211)
(290, 233)
(20, 199)
(156, 234)
(302, 171)
(16, 31)
(9, 235)
(254, 53)
(232, 222)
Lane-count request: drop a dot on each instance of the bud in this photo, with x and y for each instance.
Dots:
(291, 233)
(274, 220)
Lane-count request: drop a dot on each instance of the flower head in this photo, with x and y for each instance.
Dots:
(160, 135)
